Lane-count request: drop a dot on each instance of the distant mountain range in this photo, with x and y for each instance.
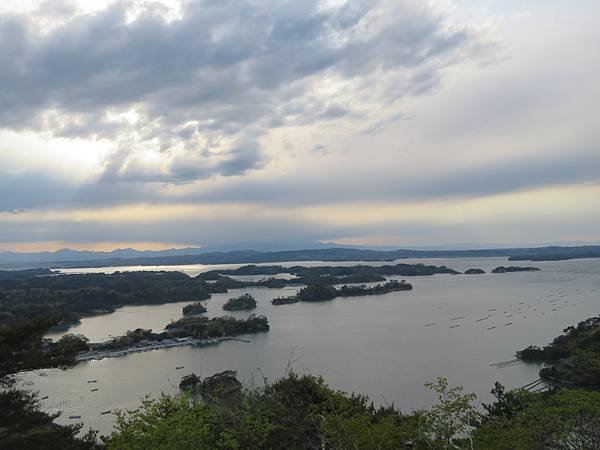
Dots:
(67, 258)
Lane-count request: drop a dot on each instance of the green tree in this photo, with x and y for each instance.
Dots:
(447, 425)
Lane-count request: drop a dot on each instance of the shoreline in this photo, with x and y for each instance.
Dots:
(98, 355)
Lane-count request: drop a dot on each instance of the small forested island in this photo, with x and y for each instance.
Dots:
(343, 274)
(378, 289)
(318, 292)
(240, 303)
(573, 357)
(193, 309)
(474, 271)
(510, 269)
(285, 300)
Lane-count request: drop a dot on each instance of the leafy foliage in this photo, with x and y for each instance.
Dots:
(565, 419)
(448, 423)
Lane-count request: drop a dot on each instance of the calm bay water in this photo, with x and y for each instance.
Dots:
(377, 345)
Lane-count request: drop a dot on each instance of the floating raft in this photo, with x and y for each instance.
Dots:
(504, 364)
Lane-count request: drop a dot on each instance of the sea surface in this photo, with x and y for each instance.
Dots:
(386, 346)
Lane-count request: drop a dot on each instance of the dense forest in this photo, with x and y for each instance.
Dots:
(25, 296)
(573, 357)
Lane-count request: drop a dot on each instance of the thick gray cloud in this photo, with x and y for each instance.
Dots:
(40, 191)
(479, 179)
(215, 80)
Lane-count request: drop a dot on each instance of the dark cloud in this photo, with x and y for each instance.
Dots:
(224, 70)
(40, 191)
(404, 184)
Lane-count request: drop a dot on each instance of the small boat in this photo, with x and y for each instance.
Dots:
(454, 326)
(429, 324)
(507, 324)
(179, 367)
(491, 328)
(492, 309)
(106, 412)
(92, 381)
(459, 318)
(482, 319)
(94, 390)
(74, 417)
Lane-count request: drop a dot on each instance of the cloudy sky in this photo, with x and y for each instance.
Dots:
(407, 123)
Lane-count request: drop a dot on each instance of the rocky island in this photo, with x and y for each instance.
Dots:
(221, 386)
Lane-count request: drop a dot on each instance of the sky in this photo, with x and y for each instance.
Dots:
(406, 123)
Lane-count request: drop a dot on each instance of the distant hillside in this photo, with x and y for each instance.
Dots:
(72, 259)
(556, 253)
(66, 254)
